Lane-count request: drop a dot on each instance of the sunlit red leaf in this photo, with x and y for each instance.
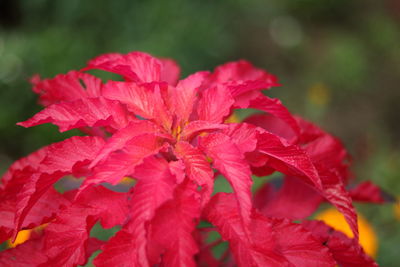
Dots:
(134, 66)
(215, 104)
(142, 99)
(170, 71)
(184, 95)
(83, 112)
(66, 87)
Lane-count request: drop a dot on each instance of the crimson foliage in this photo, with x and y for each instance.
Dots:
(172, 137)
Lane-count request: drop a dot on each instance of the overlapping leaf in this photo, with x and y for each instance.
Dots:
(272, 242)
(90, 112)
(66, 87)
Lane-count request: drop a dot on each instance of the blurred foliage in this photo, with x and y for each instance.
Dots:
(338, 62)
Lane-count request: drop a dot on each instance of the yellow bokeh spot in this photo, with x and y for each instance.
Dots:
(22, 236)
(319, 94)
(336, 220)
(232, 119)
(397, 209)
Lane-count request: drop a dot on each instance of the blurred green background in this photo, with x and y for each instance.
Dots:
(338, 62)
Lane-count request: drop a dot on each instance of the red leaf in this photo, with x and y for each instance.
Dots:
(323, 162)
(286, 158)
(275, 108)
(242, 71)
(42, 212)
(335, 192)
(27, 254)
(184, 95)
(66, 87)
(243, 135)
(294, 200)
(369, 192)
(31, 161)
(119, 139)
(91, 112)
(62, 158)
(122, 163)
(194, 128)
(198, 169)
(215, 104)
(223, 212)
(170, 71)
(299, 246)
(118, 251)
(134, 66)
(154, 187)
(273, 125)
(347, 252)
(144, 100)
(272, 242)
(228, 159)
(328, 153)
(67, 237)
(173, 226)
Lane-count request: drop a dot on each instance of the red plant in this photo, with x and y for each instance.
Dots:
(172, 137)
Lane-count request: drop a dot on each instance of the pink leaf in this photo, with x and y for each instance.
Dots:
(215, 104)
(241, 71)
(194, 128)
(184, 95)
(144, 100)
(89, 112)
(67, 87)
(243, 135)
(134, 66)
(170, 71)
